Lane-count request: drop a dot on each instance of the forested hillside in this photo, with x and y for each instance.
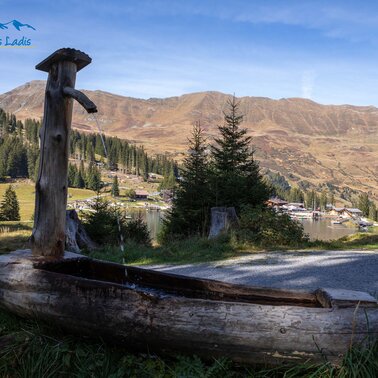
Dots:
(19, 154)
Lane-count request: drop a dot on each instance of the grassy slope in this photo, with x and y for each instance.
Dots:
(26, 195)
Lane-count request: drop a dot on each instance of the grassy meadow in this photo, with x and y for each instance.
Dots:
(25, 192)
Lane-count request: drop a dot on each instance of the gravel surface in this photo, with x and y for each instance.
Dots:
(354, 270)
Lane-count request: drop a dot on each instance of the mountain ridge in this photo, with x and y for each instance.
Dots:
(309, 143)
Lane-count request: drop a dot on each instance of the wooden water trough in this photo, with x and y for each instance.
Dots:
(148, 310)
(154, 311)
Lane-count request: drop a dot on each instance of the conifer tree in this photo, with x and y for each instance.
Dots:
(323, 200)
(190, 211)
(78, 180)
(236, 176)
(115, 187)
(9, 207)
(93, 178)
(72, 171)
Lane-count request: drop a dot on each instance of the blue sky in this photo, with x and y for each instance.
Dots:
(323, 50)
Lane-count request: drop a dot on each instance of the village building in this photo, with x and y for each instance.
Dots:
(275, 202)
(141, 194)
(345, 212)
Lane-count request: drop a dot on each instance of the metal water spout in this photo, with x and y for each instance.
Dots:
(48, 237)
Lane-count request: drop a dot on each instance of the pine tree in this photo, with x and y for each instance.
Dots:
(236, 177)
(332, 199)
(78, 180)
(72, 171)
(9, 207)
(364, 203)
(190, 211)
(145, 168)
(323, 200)
(115, 187)
(93, 178)
(373, 211)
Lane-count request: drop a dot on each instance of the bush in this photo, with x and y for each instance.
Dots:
(104, 221)
(136, 230)
(267, 228)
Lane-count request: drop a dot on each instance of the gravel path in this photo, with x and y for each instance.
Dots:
(355, 270)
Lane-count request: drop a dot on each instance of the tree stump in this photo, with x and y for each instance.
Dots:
(76, 236)
(222, 219)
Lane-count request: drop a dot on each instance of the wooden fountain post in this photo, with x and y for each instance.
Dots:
(48, 237)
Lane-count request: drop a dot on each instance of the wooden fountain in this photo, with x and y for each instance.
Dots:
(152, 311)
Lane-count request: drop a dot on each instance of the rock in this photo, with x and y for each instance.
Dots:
(222, 219)
(76, 236)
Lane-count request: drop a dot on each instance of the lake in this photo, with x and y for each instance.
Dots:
(321, 229)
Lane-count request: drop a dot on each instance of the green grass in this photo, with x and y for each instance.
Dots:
(197, 250)
(26, 196)
(364, 240)
(33, 349)
(14, 235)
(182, 251)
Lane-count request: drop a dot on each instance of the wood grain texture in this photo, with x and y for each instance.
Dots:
(143, 318)
(48, 235)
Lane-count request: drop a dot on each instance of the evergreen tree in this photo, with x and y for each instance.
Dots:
(78, 180)
(93, 178)
(236, 177)
(332, 199)
(373, 211)
(364, 203)
(296, 195)
(72, 171)
(169, 181)
(312, 200)
(9, 207)
(323, 200)
(115, 187)
(145, 168)
(190, 211)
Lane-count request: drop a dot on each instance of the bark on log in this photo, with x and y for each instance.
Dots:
(89, 301)
(76, 236)
(222, 219)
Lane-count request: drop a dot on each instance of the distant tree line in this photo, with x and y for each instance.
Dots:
(313, 200)
(19, 155)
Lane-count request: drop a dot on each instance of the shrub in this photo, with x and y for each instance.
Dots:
(136, 230)
(263, 226)
(104, 222)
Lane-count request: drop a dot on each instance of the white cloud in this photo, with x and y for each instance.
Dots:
(308, 82)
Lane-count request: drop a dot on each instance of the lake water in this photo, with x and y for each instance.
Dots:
(153, 218)
(321, 229)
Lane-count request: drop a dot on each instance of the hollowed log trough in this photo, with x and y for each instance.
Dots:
(152, 311)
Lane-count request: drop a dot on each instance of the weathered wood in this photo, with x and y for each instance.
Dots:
(78, 295)
(76, 236)
(222, 219)
(48, 235)
(344, 298)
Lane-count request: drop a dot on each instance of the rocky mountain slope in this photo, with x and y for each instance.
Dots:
(305, 141)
